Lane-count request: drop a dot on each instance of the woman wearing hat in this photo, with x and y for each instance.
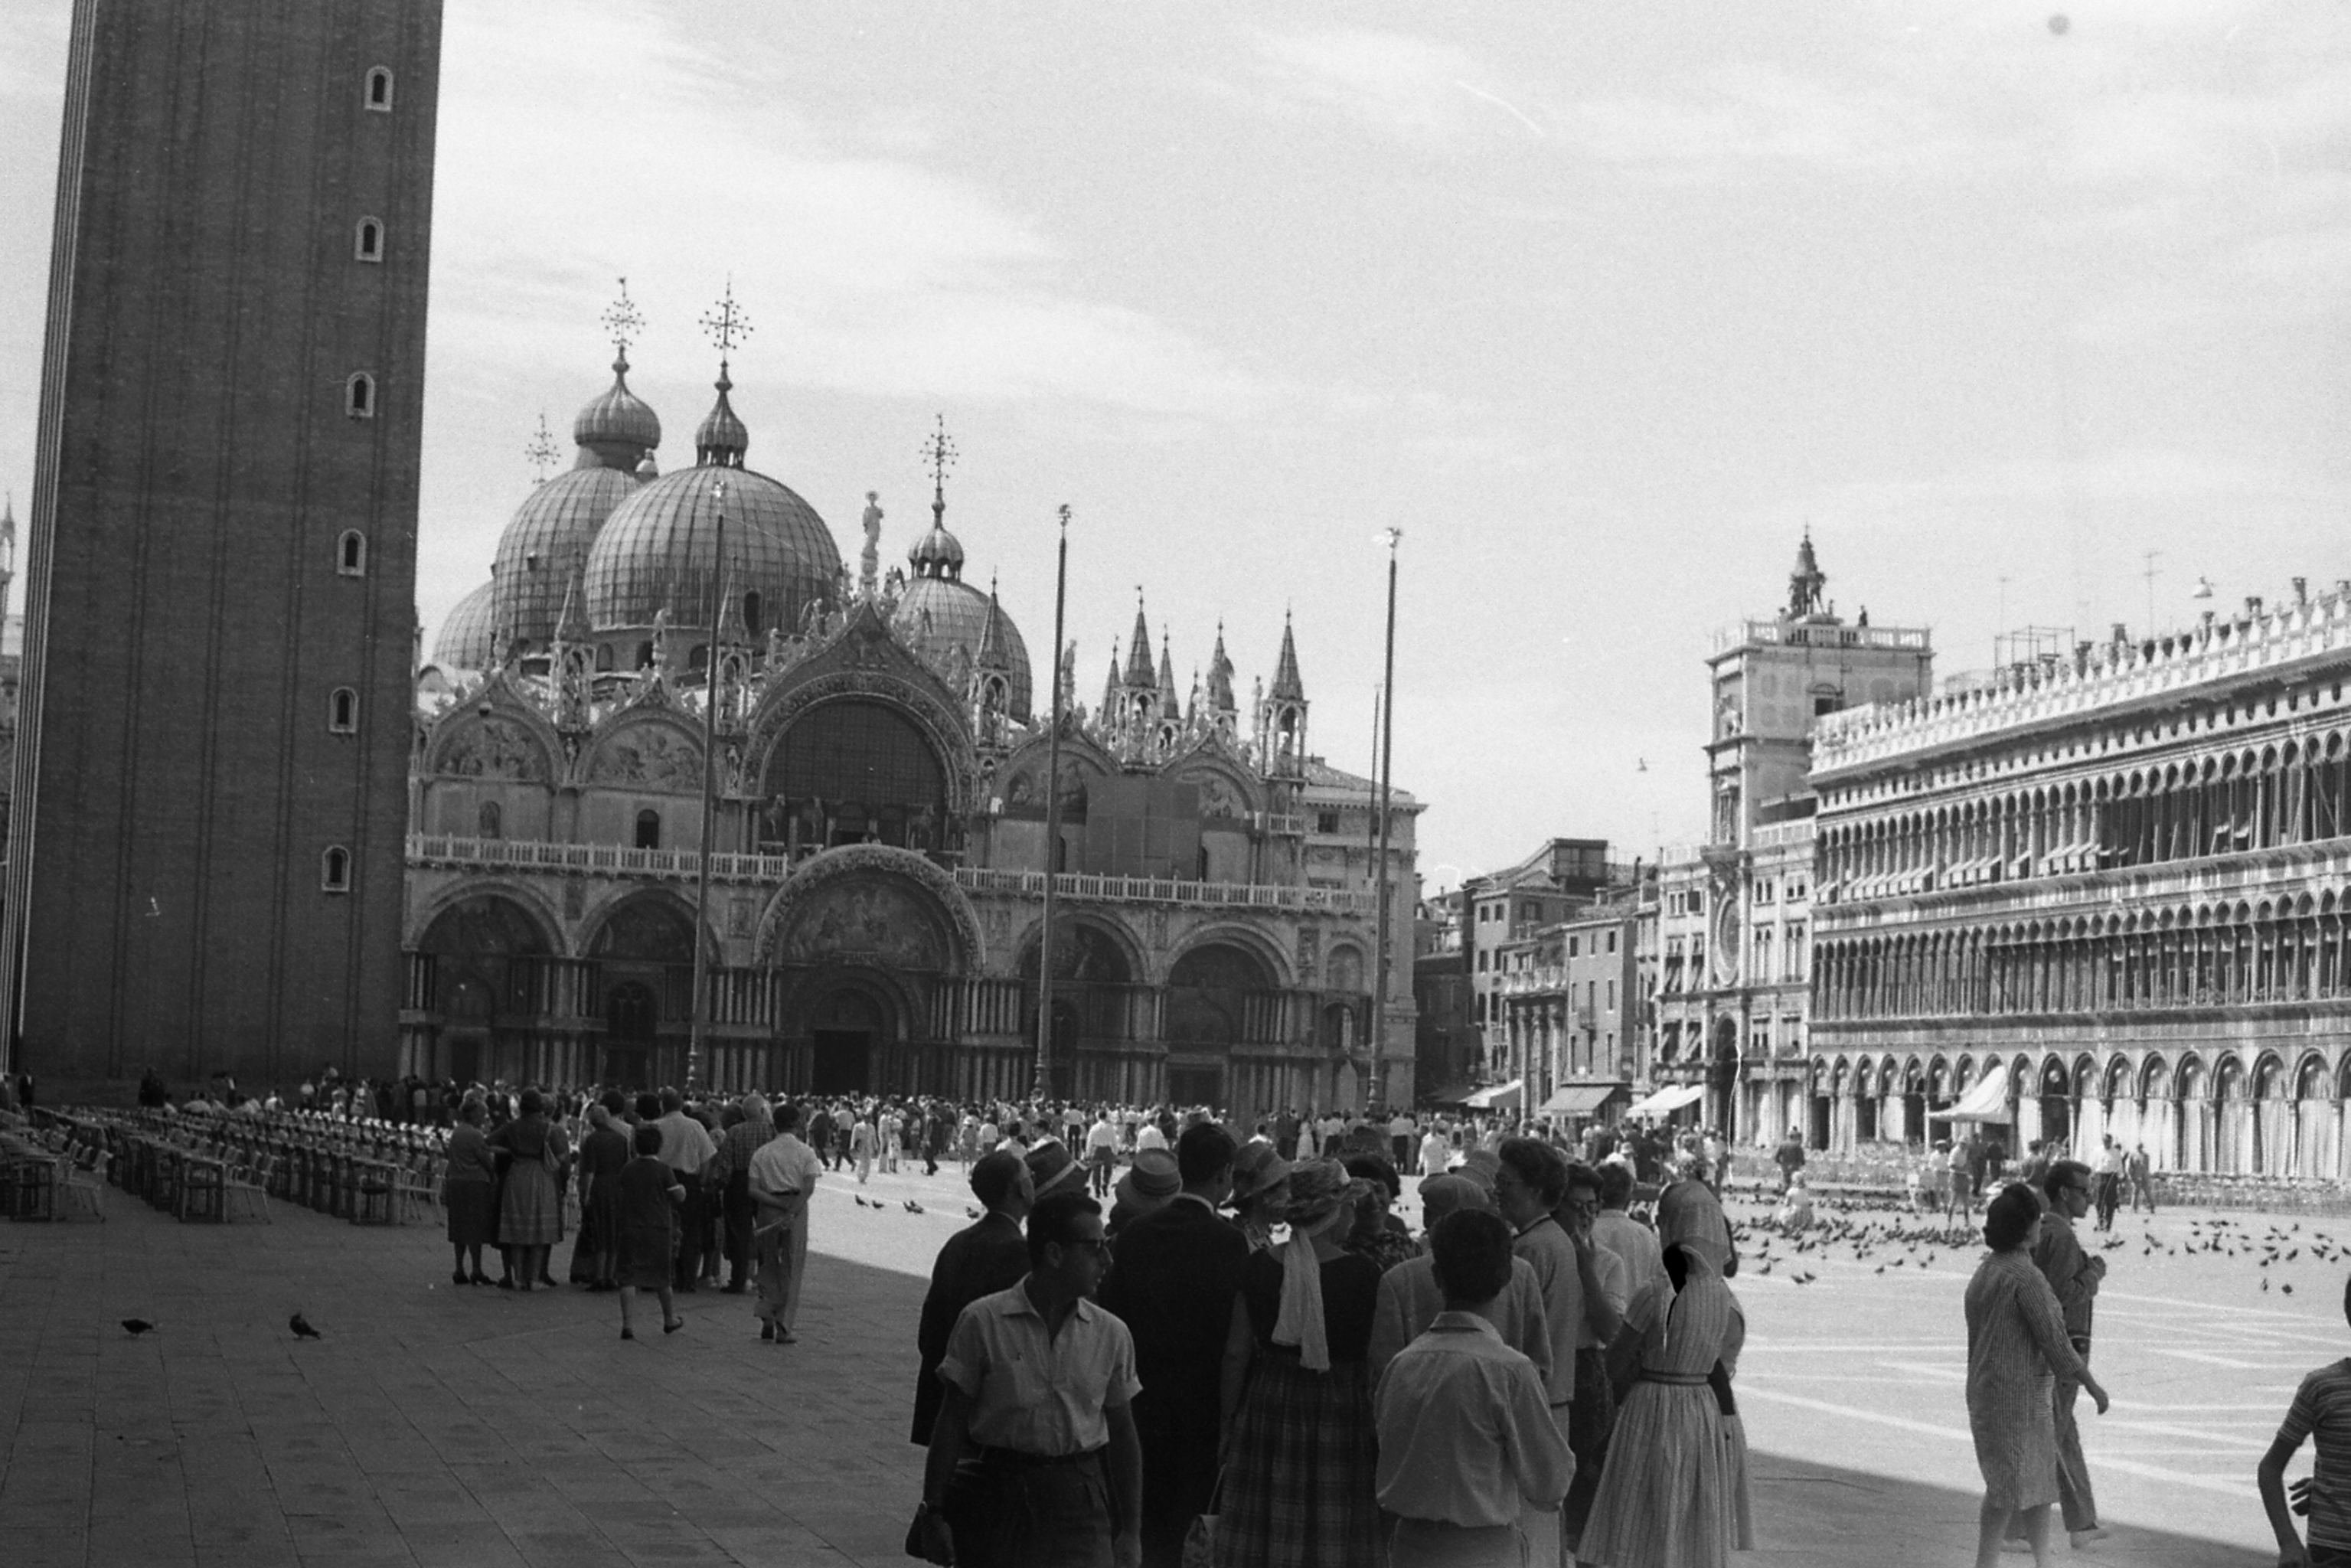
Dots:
(1261, 1192)
(1301, 1452)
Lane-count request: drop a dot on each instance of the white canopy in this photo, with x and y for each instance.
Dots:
(1500, 1097)
(1985, 1101)
(1672, 1098)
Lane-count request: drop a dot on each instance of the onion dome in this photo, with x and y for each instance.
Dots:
(466, 637)
(960, 615)
(658, 551)
(722, 439)
(618, 427)
(937, 553)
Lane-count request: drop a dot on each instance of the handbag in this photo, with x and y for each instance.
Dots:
(1200, 1536)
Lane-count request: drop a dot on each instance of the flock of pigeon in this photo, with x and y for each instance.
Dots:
(1842, 1228)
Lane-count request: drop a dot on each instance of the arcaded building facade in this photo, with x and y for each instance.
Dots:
(880, 822)
(2117, 883)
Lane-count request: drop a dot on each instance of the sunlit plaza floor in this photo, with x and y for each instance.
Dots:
(467, 1426)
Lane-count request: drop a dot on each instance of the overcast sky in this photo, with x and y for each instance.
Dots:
(1600, 304)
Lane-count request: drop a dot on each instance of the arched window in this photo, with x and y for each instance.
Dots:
(379, 89)
(343, 711)
(644, 655)
(493, 820)
(335, 870)
(367, 244)
(604, 656)
(648, 829)
(359, 395)
(751, 613)
(351, 554)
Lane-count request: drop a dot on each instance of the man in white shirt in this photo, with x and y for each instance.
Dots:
(1468, 1447)
(2106, 1184)
(1101, 1152)
(1436, 1151)
(1040, 1384)
(686, 1147)
(784, 1174)
(1149, 1136)
(1400, 1137)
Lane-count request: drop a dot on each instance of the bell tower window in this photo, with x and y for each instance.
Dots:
(335, 870)
(359, 396)
(379, 89)
(367, 244)
(343, 711)
(351, 554)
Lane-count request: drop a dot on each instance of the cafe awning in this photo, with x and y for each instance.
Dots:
(1500, 1097)
(1985, 1101)
(1580, 1099)
(1671, 1098)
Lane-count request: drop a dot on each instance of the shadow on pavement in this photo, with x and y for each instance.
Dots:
(1812, 1513)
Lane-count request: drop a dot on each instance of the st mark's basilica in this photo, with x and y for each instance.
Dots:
(880, 834)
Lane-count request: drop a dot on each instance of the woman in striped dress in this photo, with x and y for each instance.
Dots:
(2016, 1346)
(1665, 1498)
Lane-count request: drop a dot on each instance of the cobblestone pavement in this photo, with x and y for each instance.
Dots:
(439, 1425)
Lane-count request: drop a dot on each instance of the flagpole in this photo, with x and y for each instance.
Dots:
(1043, 1076)
(697, 1039)
(1376, 1089)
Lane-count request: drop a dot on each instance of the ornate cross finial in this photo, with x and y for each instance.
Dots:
(1065, 516)
(542, 452)
(724, 323)
(940, 454)
(623, 321)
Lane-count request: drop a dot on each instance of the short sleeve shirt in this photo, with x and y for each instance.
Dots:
(1034, 1392)
(783, 1165)
(2322, 1409)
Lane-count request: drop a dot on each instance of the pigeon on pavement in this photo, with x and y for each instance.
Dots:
(301, 1327)
(137, 1326)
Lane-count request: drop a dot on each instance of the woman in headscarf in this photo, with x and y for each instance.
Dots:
(2017, 1345)
(1301, 1455)
(469, 1192)
(1667, 1496)
(530, 1208)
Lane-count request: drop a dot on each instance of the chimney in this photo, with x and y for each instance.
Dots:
(2302, 591)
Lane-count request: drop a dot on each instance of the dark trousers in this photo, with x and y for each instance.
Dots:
(2109, 1195)
(1010, 1512)
(1590, 1422)
(691, 1215)
(1403, 1147)
(737, 1208)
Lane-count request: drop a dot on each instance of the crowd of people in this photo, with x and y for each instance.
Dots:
(1251, 1354)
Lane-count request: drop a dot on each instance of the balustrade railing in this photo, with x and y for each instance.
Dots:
(435, 849)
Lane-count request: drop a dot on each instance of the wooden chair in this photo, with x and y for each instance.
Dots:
(250, 1189)
(84, 1188)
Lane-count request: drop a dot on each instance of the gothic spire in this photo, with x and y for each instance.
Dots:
(1139, 674)
(1287, 685)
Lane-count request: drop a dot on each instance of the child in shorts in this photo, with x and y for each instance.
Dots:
(2321, 1411)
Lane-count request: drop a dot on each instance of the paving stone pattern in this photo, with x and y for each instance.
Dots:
(438, 1425)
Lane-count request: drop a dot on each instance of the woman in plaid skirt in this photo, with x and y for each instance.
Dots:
(1300, 1449)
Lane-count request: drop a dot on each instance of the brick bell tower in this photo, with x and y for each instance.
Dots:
(206, 861)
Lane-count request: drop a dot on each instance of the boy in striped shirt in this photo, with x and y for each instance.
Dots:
(2321, 1411)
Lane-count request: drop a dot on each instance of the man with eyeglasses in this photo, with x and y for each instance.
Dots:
(1034, 1459)
(2076, 1276)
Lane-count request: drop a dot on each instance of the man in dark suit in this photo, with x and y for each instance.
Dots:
(986, 1256)
(1172, 1280)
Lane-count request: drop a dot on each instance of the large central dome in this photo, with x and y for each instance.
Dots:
(544, 547)
(659, 549)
